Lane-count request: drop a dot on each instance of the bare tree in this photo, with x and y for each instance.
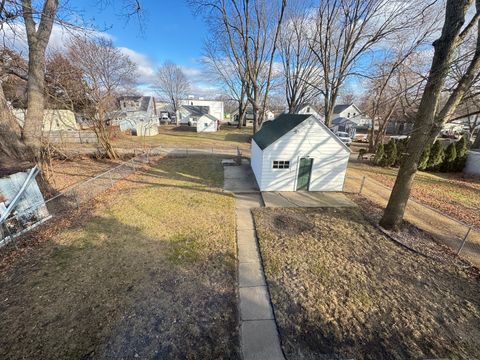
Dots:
(106, 71)
(346, 32)
(220, 62)
(301, 72)
(252, 29)
(431, 116)
(172, 85)
(37, 37)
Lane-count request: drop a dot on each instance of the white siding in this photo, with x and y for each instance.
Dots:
(256, 160)
(205, 124)
(311, 139)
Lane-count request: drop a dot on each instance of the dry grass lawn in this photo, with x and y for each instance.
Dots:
(149, 273)
(341, 289)
(451, 193)
(227, 138)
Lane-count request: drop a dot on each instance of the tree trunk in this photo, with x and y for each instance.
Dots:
(476, 143)
(32, 130)
(425, 129)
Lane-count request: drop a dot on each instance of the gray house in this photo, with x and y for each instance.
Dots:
(138, 114)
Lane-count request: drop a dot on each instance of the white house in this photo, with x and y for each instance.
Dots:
(308, 109)
(353, 113)
(216, 107)
(298, 152)
(138, 114)
(248, 118)
(207, 123)
(53, 119)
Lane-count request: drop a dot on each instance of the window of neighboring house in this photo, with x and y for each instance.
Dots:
(191, 102)
(348, 115)
(205, 124)
(281, 164)
(308, 109)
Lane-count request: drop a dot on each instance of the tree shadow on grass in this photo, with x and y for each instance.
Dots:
(109, 291)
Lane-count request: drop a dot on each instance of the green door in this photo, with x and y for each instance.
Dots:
(304, 171)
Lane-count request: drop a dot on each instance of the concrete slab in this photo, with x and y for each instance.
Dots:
(248, 256)
(260, 340)
(246, 237)
(255, 304)
(239, 179)
(250, 274)
(306, 199)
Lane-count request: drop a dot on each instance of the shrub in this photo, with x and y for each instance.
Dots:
(401, 150)
(437, 154)
(461, 147)
(390, 156)
(379, 154)
(422, 164)
(450, 157)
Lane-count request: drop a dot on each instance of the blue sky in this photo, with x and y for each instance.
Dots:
(169, 31)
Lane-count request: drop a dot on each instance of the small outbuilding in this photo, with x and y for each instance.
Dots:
(207, 123)
(298, 152)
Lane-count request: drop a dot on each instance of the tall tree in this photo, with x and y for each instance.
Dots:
(301, 72)
(430, 116)
(346, 32)
(252, 29)
(106, 71)
(172, 85)
(38, 36)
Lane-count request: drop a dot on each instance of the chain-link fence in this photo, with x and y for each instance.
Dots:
(462, 238)
(34, 214)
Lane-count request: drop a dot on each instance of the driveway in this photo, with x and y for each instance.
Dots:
(305, 199)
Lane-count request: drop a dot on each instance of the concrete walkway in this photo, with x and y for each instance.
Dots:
(258, 331)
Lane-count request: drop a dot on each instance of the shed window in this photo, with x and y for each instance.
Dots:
(281, 164)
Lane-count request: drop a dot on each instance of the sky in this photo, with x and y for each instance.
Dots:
(169, 31)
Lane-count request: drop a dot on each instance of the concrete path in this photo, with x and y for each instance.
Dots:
(306, 199)
(258, 330)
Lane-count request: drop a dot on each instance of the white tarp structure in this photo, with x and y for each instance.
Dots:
(21, 198)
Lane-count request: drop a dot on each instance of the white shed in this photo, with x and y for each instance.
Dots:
(207, 123)
(298, 152)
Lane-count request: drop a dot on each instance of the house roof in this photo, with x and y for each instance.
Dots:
(211, 117)
(196, 110)
(341, 107)
(271, 131)
(144, 101)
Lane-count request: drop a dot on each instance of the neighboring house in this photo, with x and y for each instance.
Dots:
(53, 119)
(298, 152)
(398, 127)
(189, 114)
(308, 109)
(207, 123)
(353, 113)
(216, 107)
(344, 125)
(248, 118)
(137, 114)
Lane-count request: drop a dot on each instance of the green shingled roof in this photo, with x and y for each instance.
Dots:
(273, 130)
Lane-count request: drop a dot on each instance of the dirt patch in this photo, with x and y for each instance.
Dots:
(291, 224)
(344, 289)
(148, 272)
